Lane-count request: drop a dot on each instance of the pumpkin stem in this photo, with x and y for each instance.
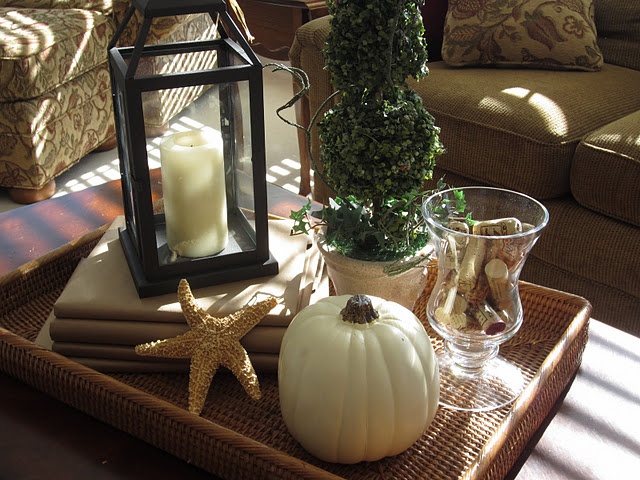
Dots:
(359, 310)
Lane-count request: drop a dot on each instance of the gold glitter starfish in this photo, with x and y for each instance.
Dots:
(211, 342)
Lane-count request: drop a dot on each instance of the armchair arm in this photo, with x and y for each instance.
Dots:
(104, 6)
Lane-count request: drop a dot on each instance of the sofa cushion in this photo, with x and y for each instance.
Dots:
(618, 24)
(605, 173)
(518, 128)
(553, 34)
(592, 255)
(42, 49)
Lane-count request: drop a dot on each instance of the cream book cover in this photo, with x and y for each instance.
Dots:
(102, 288)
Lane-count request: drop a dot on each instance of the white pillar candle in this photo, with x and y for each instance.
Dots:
(193, 186)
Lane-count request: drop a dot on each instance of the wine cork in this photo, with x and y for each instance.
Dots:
(513, 250)
(498, 227)
(497, 274)
(490, 322)
(471, 265)
(527, 226)
(460, 305)
(450, 253)
(459, 226)
(453, 320)
(449, 278)
(480, 291)
(450, 300)
(508, 252)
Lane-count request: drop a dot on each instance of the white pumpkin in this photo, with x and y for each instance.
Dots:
(352, 392)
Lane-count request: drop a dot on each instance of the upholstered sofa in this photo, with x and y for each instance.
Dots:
(55, 93)
(567, 137)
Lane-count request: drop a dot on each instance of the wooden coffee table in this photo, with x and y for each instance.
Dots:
(31, 231)
(592, 432)
(273, 23)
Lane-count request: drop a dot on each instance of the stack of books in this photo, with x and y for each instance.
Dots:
(99, 318)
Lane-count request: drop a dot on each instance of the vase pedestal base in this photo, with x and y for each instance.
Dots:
(493, 385)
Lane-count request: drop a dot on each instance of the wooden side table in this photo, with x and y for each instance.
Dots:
(273, 23)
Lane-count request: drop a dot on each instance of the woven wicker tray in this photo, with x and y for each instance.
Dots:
(236, 437)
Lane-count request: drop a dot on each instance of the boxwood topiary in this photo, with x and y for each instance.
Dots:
(375, 44)
(378, 144)
(378, 149)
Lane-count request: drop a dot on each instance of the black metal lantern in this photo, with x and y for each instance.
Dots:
(214, 227)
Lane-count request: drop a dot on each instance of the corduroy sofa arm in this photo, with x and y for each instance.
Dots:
(306, 53)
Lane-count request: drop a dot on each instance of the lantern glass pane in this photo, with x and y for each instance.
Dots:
(205, 156)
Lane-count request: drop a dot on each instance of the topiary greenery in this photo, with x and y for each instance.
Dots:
(375, 44)
(379, 144)
(378, 149)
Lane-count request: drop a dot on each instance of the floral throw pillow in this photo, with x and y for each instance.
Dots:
(549, 34)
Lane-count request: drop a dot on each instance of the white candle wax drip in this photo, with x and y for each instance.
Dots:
(193, 185)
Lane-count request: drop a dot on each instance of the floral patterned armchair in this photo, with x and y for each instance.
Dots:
(55, 93)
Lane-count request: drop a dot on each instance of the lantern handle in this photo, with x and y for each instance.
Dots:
(139, 47)
(140, 41)
(121, 28)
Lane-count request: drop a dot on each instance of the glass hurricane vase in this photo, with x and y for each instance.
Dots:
(482, 237)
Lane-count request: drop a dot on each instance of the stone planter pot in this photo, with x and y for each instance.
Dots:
(351, 276)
